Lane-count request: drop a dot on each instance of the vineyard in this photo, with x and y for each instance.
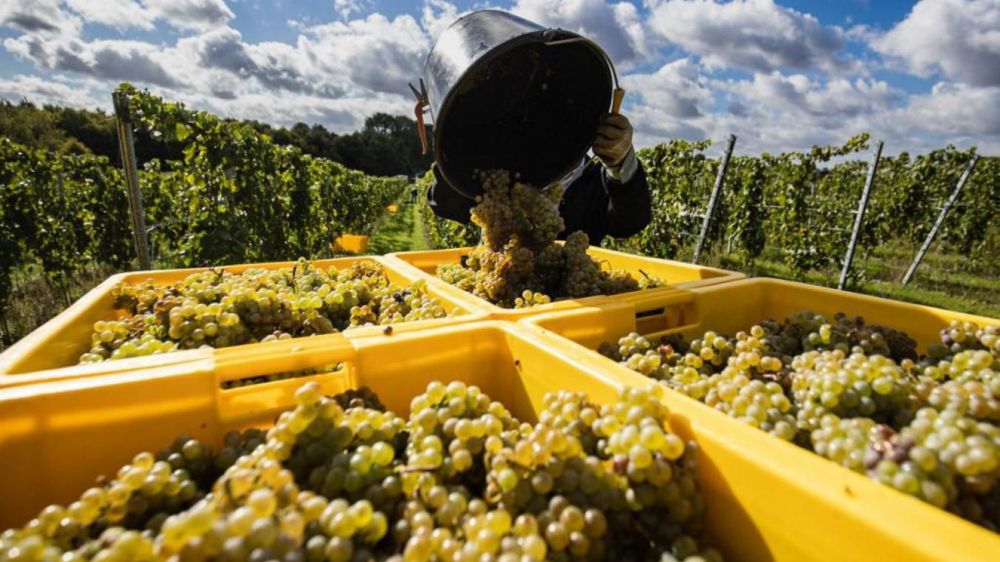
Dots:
(791, 215)
(527, 399)
(237, 197)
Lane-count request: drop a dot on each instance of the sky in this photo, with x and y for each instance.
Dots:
(781, 75)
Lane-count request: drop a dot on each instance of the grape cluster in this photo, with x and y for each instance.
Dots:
(518, 264)
(341, 479)
(856, 394)
(217, 308)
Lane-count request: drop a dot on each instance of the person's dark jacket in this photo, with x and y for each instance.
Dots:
(595, 203)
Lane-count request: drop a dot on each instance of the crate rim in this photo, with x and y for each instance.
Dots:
(720, 277)
(28, 346)
(748, 434)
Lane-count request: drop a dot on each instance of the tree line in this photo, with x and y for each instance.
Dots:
(387, 145)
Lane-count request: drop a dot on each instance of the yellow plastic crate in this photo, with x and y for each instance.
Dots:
(849, 517)
(764, 502)
(353, 243)
(678, 275)
(56, 437)
(60, 341)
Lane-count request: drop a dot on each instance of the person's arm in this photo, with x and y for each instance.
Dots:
(622, 178)
(629, 201)
(446, 202)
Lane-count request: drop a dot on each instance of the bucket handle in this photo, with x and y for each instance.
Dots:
(619, 93)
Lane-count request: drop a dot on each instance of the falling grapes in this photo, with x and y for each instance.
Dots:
(855, 393)
(217, 308)
(340, 478)
(518, 264)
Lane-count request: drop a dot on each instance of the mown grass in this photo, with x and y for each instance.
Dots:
(941, 280)
(400, 231)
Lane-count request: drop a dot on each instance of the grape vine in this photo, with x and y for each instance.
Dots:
(802, 204)
(235, 197)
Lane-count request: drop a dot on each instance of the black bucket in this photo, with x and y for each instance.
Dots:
(506, 93)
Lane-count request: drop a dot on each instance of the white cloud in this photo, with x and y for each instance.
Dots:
(117, 13)
(105, 59)
(617, 27)
(41, 17)
(768, 112)
(348, 7)
(957, 109)
(336, 73)
(221, 60)
(958, 38)
(751, 34)
(43, 91)
(799, 92)
(837, 98)
(191, 14)
(373, 53)
(676, 89)
(437, 15)
(55, 17)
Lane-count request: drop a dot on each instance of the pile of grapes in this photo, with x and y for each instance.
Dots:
(341, 479)
(856, 394)
(217, 308)
(517, 263)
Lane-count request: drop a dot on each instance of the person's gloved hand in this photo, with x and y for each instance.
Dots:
(614, 140)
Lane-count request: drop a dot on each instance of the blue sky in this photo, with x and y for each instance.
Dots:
(780, 74)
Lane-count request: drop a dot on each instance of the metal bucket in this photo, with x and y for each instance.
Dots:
(506, 93)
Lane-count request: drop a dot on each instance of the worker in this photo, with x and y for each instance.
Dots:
(605, 196)
(413, 194)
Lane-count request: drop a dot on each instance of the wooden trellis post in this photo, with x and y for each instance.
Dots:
(126, 144)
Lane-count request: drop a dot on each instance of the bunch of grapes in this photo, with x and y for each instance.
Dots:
(218, 309)
(341, 479)
(518, 264)
(856, 394)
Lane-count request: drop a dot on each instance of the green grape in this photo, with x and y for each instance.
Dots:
(853, 393)
(518, 264)
(340, 478)
(217, 308)
(848, 386)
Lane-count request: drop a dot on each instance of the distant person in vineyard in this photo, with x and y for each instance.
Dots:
(605, 196)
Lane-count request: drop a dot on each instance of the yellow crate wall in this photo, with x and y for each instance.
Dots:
(56, 437)
(60, 341)
(677, 275)
(871, 520)
(765, 500)
(731, 307)
(353, 243)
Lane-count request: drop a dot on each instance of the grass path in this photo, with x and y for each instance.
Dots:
(400, 231)
(934, 284)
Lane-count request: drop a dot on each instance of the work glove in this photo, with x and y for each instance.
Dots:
(614, 144)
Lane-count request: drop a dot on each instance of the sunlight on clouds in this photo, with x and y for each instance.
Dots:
(779, 78)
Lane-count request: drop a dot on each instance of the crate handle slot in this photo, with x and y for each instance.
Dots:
(653, 302)
(647, 313)
(282, 356)
(248, 404)
(658, 312)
